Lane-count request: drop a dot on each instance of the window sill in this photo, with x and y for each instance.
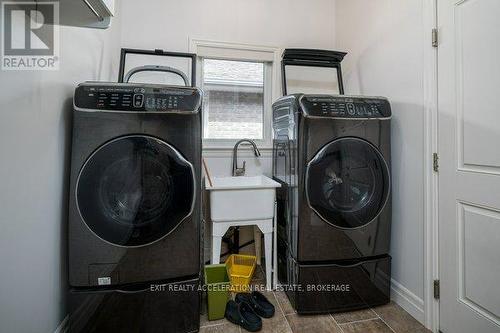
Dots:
(223, 152)
(218, 145)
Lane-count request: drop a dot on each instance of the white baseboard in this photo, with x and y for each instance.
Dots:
(410, 302)
(63, 326)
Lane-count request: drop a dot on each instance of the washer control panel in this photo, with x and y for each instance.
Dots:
(127, 97)
(344, 106)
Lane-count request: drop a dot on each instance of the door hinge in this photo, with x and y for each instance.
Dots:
(435, 162)
(435, 37)
(436, 289)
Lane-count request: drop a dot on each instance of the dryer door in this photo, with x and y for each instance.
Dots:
(348, 183)
(135, 190)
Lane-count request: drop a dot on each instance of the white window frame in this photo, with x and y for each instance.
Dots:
(270, 56)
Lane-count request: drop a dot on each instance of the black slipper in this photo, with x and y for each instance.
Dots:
(259, 303)
(243, 315)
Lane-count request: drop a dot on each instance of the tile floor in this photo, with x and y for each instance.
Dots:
(389, 318)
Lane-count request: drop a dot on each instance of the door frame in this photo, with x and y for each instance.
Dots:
(431, 178)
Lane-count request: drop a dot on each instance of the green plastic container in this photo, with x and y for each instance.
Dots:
(218, 286)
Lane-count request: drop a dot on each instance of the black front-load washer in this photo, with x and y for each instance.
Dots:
(134, 210)
(332, 156)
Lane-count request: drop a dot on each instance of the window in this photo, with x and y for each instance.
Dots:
(239, 83)
(233, 99)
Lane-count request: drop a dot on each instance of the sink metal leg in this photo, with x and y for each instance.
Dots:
(268, 245)
(218, 230)
(258, 243)
(275, 247)
(216, 245)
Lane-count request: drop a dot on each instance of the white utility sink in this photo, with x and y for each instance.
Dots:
(242, 198)
(245, 201)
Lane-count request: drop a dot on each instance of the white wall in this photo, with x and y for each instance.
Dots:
(168, 25)
(384, 39)
(35, 116)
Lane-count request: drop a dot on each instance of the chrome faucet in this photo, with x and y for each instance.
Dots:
(241, 171)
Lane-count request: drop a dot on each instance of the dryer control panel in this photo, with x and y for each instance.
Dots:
(125, 97)
(344, 106)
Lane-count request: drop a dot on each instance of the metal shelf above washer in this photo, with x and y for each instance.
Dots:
(85, 13)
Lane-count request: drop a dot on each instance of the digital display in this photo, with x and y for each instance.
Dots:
(125, 97)
(346, 107)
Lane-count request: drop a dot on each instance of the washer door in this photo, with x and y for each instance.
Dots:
(347, 183)
(135, 190)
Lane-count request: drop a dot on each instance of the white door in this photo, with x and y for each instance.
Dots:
(469, 175)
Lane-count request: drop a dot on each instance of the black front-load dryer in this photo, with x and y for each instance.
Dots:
(332, 155)
(134, 210)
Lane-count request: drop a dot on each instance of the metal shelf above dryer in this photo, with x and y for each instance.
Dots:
(85, 13)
